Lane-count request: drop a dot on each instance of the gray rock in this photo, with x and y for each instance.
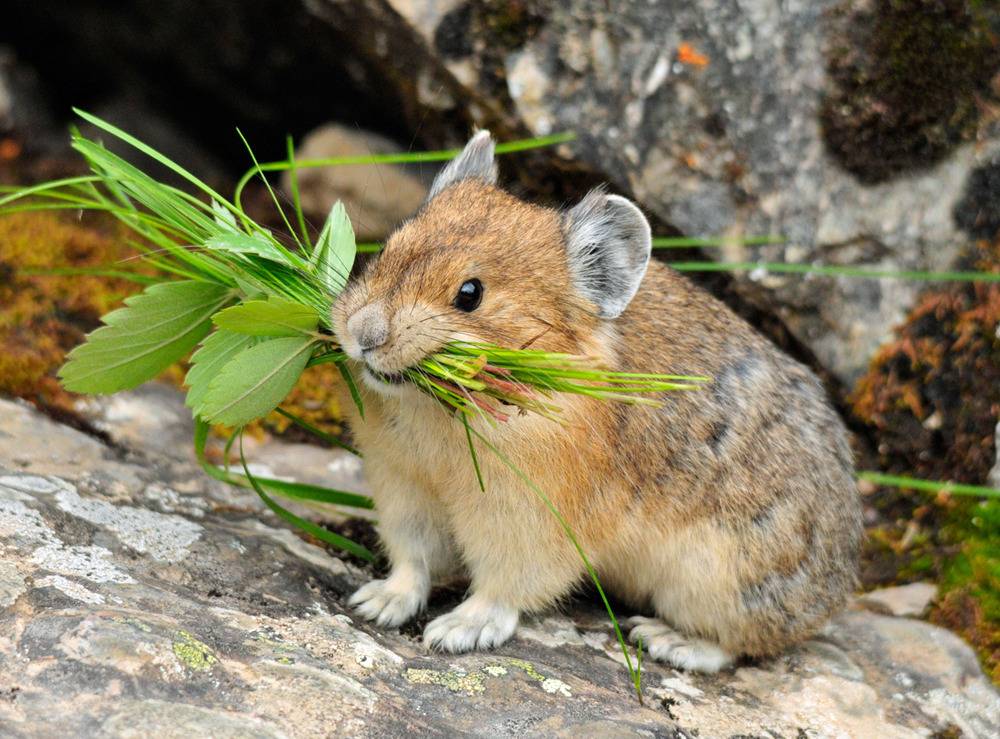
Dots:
(729, 143)
(138, 598)
(23, 107)
(377, 198)
(903, 600)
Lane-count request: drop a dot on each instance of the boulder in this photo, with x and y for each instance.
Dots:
(138, 597)
(377, 198)
(732, 119)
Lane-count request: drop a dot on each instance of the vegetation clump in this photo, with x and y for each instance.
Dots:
(932, 401)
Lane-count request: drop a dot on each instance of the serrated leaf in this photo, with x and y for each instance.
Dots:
(333, 256)
(254, 381)
(274, 317)
(242, 243)
(155, 329)
(206, 363)
(224, 217)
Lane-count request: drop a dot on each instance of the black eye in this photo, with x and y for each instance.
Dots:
(470, 295)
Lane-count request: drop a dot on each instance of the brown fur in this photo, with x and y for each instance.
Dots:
(731, 511)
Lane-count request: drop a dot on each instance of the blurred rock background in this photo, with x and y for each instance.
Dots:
(863, 132)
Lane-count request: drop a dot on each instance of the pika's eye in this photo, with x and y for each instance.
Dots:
(470, 295)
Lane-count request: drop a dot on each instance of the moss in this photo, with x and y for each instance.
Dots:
(42, 317)
(194, 654)
(931, 400)
(906, 80)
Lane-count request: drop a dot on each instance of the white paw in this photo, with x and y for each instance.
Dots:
(663, 644)
(475, 624)
(390, 602)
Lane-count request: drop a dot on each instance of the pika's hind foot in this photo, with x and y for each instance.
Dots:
(663, 644)
(475, 624)
(393, 601)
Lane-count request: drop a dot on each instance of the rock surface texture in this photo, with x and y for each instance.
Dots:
(140, 598)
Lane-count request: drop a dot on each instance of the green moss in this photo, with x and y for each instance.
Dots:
(194, 654)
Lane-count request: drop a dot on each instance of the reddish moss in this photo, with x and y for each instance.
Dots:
(931, 400)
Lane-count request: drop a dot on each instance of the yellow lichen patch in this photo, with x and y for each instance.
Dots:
(455, 680)
(194, 654)
(529, 669)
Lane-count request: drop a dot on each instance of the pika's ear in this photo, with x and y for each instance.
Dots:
(474, 163)
(608, 245)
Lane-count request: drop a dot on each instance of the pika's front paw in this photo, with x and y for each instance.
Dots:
(389, 602)
(475, 624)
(664, 644)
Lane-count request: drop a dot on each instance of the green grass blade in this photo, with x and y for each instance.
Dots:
(284, 488)
(930, 486)
(293, 179)
(148, 151)
(270, 190)
(837, 271)
(472, 452)
(567, 529)
(442, 155)
(352, 386)
(328, 537)
(318, 433)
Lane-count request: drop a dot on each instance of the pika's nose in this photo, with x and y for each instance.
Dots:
(369, 327)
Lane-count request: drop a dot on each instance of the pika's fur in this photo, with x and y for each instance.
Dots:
(731, 513)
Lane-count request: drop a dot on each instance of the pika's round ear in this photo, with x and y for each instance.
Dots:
(608, 244)
(476, 162)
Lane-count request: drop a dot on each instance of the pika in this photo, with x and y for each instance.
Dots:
(729, 513)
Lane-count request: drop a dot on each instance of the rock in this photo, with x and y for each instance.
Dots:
(141, 598)
(903, 600)
(24, 110)
(377, 198)
(709, 114)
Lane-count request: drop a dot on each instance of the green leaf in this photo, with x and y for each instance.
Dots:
(206, 363)
(253, 382)
(155, 329)
(241, 243)
(274, 317)
(335, 250)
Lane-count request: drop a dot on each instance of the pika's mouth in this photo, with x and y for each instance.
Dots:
(388, 378)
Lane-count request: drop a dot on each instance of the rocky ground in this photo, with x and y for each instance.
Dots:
(141, 598)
